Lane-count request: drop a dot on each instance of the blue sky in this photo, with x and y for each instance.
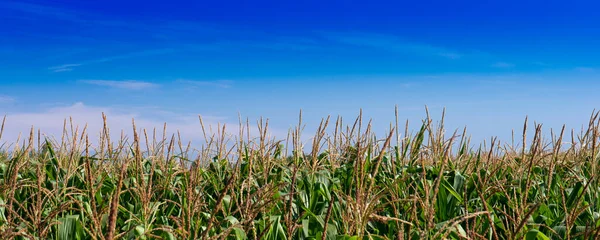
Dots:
(489, 64)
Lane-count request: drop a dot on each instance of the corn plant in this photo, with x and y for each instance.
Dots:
(350, 184)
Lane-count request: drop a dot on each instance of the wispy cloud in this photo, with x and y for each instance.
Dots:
(450, 55)
(125, 84)
(408, 84)
(503, 65)
(144, 53)
(392, 43)
(6, 99)
(218, 84)
(50, 122)
(495, 82)
(585, 69)
(538, 63)
(40, 10)
(215, 46)
(64, 67)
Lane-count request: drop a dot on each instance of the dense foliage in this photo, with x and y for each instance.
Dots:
(347, 185)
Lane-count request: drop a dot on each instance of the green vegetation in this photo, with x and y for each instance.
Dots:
(349, 185)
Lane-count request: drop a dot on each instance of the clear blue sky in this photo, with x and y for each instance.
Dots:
(489, 64)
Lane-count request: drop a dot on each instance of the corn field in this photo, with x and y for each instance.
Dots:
(348, 184)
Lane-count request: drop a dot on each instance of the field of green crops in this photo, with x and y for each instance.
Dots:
(432, 183)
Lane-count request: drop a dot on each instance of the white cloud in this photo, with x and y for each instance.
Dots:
(50, 122)
(40, 10)
(125, 84)
(503, 65)
(585, 69)
(450, 55)
(144, 53)
(64, 67)
(219, 83)
(392, 43)
(62, 70)
(6, 99)
(538, 63)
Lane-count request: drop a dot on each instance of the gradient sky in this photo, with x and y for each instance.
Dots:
(489, 63)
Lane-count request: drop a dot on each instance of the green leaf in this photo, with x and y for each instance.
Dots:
(535, 234)
(139, 230)
(451, 190)
(239, 234)
(305, 227)
(574, 194)
(69, 228)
